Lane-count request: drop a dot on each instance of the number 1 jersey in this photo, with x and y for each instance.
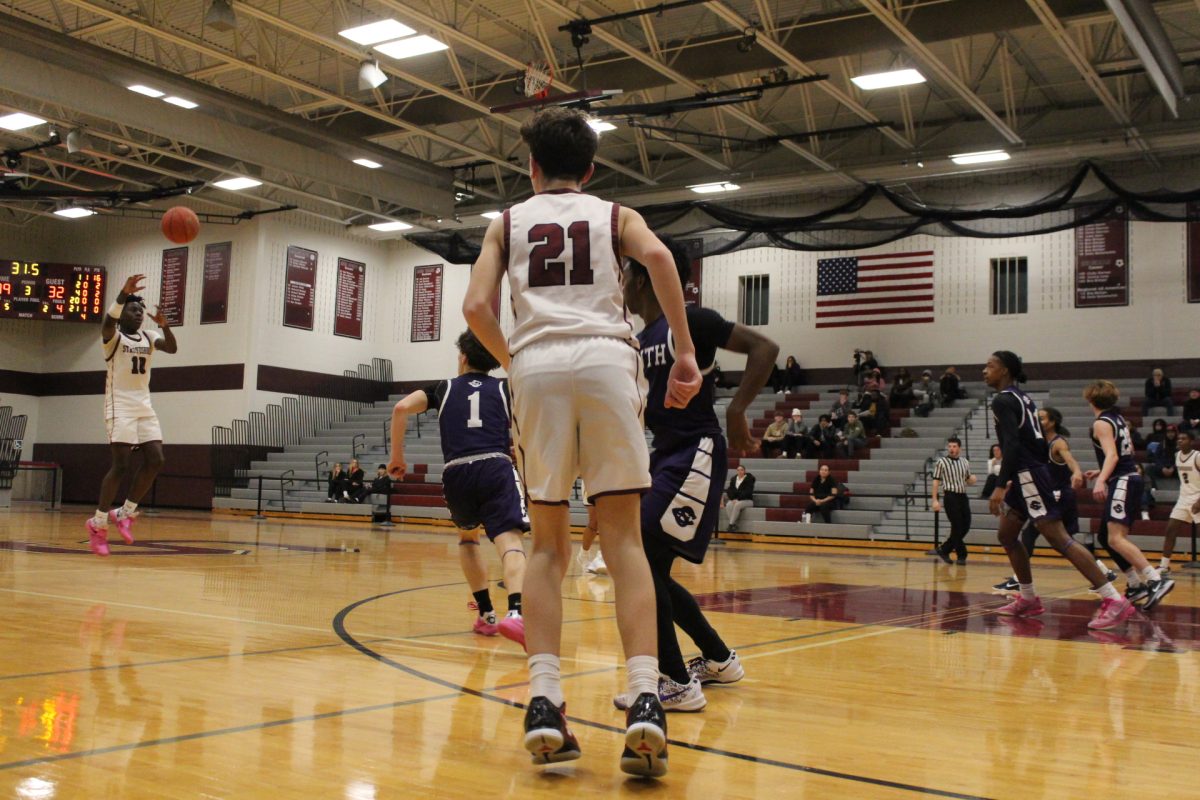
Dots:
(473, 415)
(127, 387)
(564, 268)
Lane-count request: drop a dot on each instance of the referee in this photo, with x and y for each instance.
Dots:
(953, 474)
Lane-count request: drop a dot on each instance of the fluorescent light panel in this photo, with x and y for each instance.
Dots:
(146, 90)
(19, 121)
(368, 163)
(888, 80)
(237, 184)
(714, 188)
(600, 126)
(179, 101)
(982, 157)
(390, 226)
(375, 32)
(412, 46)
(74, 212)
(491, 214)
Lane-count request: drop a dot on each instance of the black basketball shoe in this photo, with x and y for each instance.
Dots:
(547, 737)
(1158, 590)
(645, 737)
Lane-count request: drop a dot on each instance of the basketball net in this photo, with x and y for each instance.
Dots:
(538, 77)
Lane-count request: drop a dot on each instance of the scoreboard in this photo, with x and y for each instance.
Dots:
(39, 290)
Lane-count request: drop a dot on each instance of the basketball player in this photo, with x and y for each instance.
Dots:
(687, 470)
(1026, 487)
(1119, 487)
(578, 393)
(1066, 476)
(479, 480)
(128, 416)
(1187, 507)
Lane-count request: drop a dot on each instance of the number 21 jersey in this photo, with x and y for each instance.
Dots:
(127, 387)
(564, 268)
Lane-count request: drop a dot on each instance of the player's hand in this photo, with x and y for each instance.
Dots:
(1078, 481)
(1091, 474)
(937, 506)
(160, 319)
(396, 468)
(996, 501)
(684, 381)
(737, 431)
(133, 284)
(1100, 492)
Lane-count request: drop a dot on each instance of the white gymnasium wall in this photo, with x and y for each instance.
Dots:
(965, 332)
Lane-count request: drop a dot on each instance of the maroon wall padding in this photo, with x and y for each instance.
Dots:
(84, 465)
(315, 384)
(206, 378)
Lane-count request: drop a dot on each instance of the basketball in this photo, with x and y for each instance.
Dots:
(180, 224)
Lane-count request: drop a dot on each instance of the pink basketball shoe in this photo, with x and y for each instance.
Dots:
(97, 538)
(124, 525)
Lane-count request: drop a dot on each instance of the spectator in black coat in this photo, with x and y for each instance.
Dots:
(380, 484)
(788, 378)
(902, 389)
(738, 496)
(874, 413)
(1191, 412)
(339, 484)
(949, 386)
(1158, 393)
(355, 481)
(824, 437)
(823, 494)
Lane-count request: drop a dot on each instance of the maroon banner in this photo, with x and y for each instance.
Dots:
(427, 304)
(299, 284)
(693, 289)
(347, 306)
(1102, 262)
(1193, 253)
(172, 291)
(214, 298)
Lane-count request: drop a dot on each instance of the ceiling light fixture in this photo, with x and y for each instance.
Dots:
(375, 32)
(220, 16)
(237, 184)
(982, 157)
(600, 126)
(412, 46)
(491, 214)
(179, 101)
(888, 80)
(714, 188)
(20, 121)
(385, 227)
(74, 212)
(146, 90)
(78, 140)
(370, 76)
(368, 163)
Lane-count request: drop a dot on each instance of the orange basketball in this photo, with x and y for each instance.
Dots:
(180, 224)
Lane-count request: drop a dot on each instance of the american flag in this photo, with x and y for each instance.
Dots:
(884, 289)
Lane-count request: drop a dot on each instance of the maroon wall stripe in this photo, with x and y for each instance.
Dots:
(184, 482)
(315, 384)
(204, 378)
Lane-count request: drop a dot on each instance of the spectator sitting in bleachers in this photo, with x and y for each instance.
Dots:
(993, 471)
(1158, 393)
(874, 381)
(798, 440)
(841, 410)
(788, 378)
(855, 434)
(1158, 435)
(739, 496)
(822, 495)
(775, 438)
(338, 484)
(873, 412)
(903, 392)
(1160, 460)
(380, 484)
(824, 437)
(864, 364)
(948, 386)
(1135, 436)
(1148, 489)
(1191, 413)
(927, 390)
(354, 482)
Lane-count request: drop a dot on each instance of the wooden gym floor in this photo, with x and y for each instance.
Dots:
(223, 658)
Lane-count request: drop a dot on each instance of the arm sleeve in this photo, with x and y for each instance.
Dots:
(1007, 411)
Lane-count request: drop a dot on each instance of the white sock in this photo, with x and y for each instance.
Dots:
(100, 519)
(642, 674)
(1150, 574)
(1165, 563)
(1103, 568)
(1027, 591)
(129, 509)
(545, 678)
(1109, 592)
(1132, 577)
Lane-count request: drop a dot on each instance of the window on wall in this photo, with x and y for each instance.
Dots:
(1010, 285)
(753, 296)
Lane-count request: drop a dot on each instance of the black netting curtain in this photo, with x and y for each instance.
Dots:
(724, 229)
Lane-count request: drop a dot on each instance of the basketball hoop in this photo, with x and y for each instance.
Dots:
(538, 77)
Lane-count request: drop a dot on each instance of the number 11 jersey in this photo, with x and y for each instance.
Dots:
(564, 268)
(473, 415)
(127, 387)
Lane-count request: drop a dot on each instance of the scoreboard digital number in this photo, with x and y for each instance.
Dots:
(39, 290)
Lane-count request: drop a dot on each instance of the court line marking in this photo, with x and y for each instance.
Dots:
(339, 626)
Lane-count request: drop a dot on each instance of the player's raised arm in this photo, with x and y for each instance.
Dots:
(414, 403)
(760, 354)
(485, 282)
(642, 245)
(133, 285)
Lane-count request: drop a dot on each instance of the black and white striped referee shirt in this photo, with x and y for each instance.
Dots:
(953, 474)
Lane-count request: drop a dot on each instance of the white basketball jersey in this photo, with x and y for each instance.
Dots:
(564, 268)
(127, 389)
(1188, 469)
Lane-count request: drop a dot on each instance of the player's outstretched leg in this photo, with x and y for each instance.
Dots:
(512, 561)
(143, 479)
(1026, 603)
(97, 526)
(1157, 587)
(475, 571)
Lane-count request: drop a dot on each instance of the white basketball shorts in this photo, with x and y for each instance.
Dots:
(1183, 510)
(133, 430)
